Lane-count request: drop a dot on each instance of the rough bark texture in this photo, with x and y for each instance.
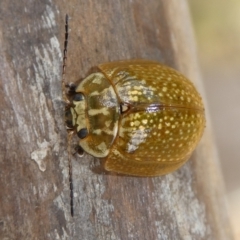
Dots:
(186, 204)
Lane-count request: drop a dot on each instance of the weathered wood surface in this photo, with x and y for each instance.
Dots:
(187, 204)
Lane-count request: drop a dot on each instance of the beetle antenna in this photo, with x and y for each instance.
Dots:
(70, 172)
(64, 65)
(70, 133)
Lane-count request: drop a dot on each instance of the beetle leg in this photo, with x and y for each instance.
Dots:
(71, 87)
(79, 151)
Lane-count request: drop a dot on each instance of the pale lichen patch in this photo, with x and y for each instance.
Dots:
(39, 155)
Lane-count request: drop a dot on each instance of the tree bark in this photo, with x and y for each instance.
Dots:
(186, 204)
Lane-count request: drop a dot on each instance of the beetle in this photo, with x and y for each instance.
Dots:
(143, 118)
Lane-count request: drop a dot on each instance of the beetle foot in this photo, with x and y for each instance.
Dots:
(71, 87)
(79, 151)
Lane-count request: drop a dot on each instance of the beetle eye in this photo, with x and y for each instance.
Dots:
(78, 97)
(82, 133)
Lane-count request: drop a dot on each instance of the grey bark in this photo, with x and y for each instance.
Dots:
(186, 204)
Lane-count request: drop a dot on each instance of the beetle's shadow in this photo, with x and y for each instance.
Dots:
(99, 170)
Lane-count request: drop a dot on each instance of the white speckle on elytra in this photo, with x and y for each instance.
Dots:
(164, 89)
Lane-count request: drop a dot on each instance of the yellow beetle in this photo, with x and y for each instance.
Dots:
(143, 118)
